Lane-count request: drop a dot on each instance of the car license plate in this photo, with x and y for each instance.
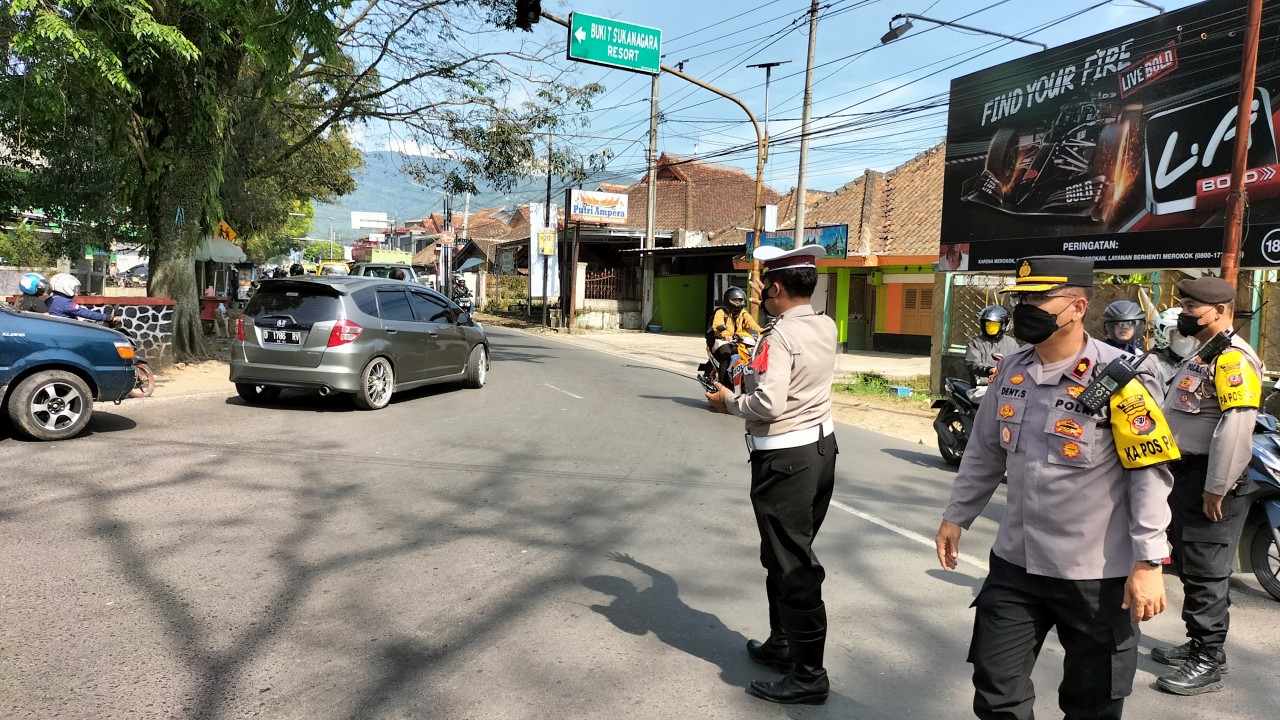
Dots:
(283, 337)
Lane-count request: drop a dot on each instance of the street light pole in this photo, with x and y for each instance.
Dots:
(897, 32)
(768, 71)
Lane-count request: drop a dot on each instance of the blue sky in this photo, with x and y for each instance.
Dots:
(853, 73)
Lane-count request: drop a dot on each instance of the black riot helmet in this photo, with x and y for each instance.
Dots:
(994, 320)
(735, 298)
(1123, 315)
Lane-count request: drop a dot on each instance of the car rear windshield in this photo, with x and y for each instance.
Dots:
(305, 304)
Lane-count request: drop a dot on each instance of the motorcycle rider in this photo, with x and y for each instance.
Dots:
(1169, 347)
(62, 302)
(1125, 324)
(985, 349)
(297, 269)
(1211, 404)
(730, 319)
(34, 287)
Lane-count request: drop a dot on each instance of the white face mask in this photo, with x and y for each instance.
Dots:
(1182, 346)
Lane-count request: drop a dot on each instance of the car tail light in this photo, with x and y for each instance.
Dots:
(240, 327)
(344, 332)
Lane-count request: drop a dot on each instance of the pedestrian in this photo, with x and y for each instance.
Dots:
(1212, 404)
(786, 402)
(1082, 536)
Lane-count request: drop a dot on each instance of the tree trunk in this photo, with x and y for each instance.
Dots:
(176, 204)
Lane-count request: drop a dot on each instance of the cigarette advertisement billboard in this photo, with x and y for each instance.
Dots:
(1116, 147)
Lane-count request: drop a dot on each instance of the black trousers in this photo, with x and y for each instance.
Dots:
(1015, 611)
(790, 493)
(1203, 551)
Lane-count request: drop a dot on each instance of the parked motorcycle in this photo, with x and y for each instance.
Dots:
(1262, 528)
(955, 418)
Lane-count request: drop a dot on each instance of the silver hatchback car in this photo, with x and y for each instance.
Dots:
(365, 336)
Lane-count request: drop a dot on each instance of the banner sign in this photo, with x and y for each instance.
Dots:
(597, 207)
(1116, 147)
(536, 258)
(369, 220)
(834, 238)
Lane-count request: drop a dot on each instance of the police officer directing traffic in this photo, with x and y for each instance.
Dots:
(786, 402)
(1211, 404)
(1082, 535)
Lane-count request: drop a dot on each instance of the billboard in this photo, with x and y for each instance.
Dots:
(597, 207)
(369, 220)
(833, 238)
(1116, 147)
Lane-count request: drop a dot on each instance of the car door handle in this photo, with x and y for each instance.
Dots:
(433, 333)
(392, 331)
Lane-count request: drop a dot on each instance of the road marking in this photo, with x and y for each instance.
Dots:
(566, 392)
(908, 534)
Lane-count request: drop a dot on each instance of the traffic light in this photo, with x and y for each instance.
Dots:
(527, 13)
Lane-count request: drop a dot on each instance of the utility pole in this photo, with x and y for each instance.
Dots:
(804, 125)
(768, 70)
(546, 225)
(651, 212)
(1238, 197)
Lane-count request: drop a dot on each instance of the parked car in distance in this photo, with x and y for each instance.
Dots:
(53, 369)
(334, 267)
(366, 336)
(390, 271)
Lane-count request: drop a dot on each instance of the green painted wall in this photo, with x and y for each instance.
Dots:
(680, 303)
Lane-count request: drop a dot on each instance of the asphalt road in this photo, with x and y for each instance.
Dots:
(574, 540)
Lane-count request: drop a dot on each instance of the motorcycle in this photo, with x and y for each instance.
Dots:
(711, 372)
(1261, 534)
(464, 299)
(955, 418)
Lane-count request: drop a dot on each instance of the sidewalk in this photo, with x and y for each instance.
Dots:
(687, 351)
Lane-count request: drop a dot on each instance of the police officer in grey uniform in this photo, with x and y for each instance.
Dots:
(1211, 404)
(786, 402)
(1081, 538)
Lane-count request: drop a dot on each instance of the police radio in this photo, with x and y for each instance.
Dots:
(1113, 377)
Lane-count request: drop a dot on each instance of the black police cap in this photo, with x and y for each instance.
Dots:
(1044, 272)
(1207, 289)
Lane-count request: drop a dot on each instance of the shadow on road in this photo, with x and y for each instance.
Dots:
(696, 403)
(658, 609)
(930, 460)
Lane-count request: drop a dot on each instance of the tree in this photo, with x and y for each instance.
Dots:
(181, 88)
(320, 251)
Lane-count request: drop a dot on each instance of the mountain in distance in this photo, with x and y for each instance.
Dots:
(382, 186)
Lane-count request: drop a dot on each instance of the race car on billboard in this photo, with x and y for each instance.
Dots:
(1078, 165)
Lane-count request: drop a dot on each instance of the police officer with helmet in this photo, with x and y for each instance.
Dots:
(786, 402)
(1125, 324)
(1211, 404)
(1082, 536)
(992, 343)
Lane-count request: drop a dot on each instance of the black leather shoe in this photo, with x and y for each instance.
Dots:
(773, 652)
(1175, 656)
(1199, 674)
(793, 690)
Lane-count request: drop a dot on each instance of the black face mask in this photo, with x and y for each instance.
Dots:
(1032, 325)
(1189, 325)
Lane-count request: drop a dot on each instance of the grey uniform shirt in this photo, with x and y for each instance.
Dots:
(787, 386)
(1200, 427)
(1073, 511)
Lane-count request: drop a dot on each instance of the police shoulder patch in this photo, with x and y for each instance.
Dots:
(1141, 434)
(1237, 383)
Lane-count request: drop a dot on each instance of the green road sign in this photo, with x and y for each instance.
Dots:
(613, 43)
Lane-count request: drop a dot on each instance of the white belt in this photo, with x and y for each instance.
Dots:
(795, 438)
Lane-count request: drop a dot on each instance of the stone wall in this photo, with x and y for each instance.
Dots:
(148, 321)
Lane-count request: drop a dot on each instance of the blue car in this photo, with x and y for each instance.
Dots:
(52, 370)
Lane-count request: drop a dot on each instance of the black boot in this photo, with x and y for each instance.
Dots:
(807, 682)
(1199, 674)
(773, 652)
(1175, 656)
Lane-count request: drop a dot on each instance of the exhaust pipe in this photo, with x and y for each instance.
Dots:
(326, 391)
